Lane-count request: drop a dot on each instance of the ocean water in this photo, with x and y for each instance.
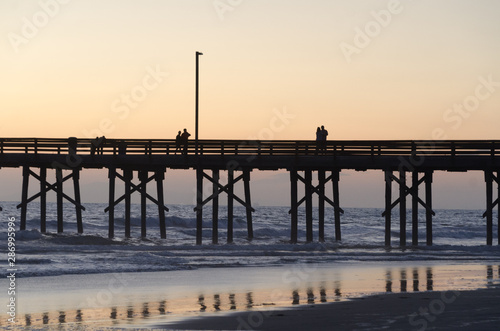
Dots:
(459, 236)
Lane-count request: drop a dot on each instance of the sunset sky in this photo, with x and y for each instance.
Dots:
(366, 69)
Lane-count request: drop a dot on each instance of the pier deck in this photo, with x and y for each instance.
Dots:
(395, 158)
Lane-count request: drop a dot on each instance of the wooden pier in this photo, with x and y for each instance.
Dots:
(150, 160)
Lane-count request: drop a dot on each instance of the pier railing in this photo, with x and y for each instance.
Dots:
(247, 147)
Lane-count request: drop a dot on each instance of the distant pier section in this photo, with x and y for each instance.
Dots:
(409, 164)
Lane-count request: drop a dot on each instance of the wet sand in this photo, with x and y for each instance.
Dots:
(342, 296)
(448, 310)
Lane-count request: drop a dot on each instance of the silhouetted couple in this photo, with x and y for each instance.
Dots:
(97, 145)
(182, 140)
(321, 134)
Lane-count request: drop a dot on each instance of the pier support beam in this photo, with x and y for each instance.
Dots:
(231, 197)
(428, 209)
(248, 201)
(230, 205)
(199, 206)
(76, 185)
(111, 215)
(160, 176)
(402, 208)
(336, 203)
(294, 203)
(489, 178)
(310, 189)
(43, 200)
(143, 178)
(215, 207)
(414, 209)
(24, 197)
(59, 199)
(403, 192)
(309, 209)
(57, 187)
(321, 206)
(128, 176)
(489, 207)
(130, 188)
(388, 207)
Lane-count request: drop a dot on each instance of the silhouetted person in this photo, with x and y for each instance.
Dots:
(102, 141)
(184, 139)
(178, 140)
(93, 146)
(318, 140)
(96, 145)
(324, 132)
(323, 135)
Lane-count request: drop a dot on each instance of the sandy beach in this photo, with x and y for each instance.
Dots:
(344, 296)
(449, 310)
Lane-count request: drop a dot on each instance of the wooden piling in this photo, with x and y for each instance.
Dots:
(128, 175)
(414, 209)
(59, 198)
(111, 216)
(248, 201)
(336, 201)
(402, 208)
(388, 203)
(160, 176)
(294, 207)
(230, 203)
(489, 207)
(43, 200)
(215, 206)
(76, 185)
(199, 205)
(143, 177)
(309, 209)
(24, 197)
(428, 203)
(321, 206)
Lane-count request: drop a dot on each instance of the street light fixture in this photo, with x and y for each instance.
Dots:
(196, 104)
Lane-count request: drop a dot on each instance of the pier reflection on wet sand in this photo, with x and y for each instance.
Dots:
(394, 280)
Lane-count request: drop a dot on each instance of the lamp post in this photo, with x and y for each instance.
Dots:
(196, 104)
